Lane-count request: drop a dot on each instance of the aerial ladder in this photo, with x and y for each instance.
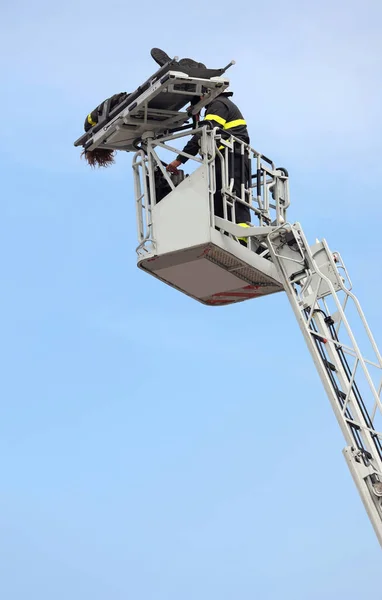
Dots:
(182, 243)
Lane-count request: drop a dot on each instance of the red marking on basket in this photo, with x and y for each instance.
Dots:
(235, 294)
(219, 302)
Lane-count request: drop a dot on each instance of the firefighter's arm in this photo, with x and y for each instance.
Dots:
(192, 147)
(215, 117)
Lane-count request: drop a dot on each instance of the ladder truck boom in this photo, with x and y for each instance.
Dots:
(319, 291)
(183, 243)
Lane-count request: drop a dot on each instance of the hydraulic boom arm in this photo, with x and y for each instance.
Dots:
(319, 290)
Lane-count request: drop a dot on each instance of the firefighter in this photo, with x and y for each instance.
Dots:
(223, 113)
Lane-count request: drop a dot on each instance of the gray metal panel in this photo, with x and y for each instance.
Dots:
(212, 275)
(181, 220)
(200, 278)
(239, 254)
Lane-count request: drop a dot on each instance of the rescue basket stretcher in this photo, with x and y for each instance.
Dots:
(156, 106)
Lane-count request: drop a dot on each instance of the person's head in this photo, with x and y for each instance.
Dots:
(100, 157)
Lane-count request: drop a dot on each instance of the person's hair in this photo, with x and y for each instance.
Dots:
(100, 157)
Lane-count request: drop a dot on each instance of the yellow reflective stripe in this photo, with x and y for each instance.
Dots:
(243, 239)
(215, 118)
(230, 125)
(90, 120)
(235, 123)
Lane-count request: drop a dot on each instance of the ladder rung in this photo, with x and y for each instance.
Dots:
(353, 425)
(329, 365)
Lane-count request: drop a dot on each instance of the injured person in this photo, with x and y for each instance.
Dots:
(102, 157)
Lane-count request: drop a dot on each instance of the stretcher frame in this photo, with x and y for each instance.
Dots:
(155, 108)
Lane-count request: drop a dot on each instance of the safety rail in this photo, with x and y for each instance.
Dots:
(265, 191)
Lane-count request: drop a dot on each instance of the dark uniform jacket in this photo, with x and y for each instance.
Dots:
(223, 113)
(92, 118)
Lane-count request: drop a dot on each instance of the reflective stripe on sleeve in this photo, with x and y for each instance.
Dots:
(234, 123)
(216, 118)
(90, 120)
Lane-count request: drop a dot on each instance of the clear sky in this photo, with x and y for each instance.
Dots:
(152, 448)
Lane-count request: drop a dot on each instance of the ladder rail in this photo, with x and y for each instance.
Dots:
(336, 343)
(309, 287)
(344, 320)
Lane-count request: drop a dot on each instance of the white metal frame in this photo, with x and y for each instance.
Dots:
(139, 117)
(319, 290)
(267, 198)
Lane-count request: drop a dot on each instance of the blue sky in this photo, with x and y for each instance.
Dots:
(153, 448)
